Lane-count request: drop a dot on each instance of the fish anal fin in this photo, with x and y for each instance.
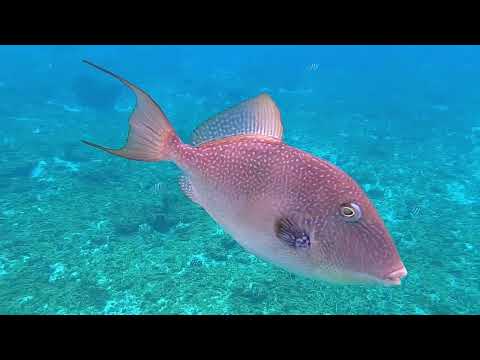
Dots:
(256, 116)
(187, 188)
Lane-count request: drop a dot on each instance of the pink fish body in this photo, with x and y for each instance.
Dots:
(282, 204)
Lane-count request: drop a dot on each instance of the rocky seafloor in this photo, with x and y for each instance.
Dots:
(82, 232)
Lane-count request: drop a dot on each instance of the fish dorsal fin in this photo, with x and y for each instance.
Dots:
(258, 115)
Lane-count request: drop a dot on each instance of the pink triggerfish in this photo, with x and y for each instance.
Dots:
(282, 204)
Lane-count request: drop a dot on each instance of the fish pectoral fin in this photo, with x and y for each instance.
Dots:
(292, 232)
(256, 116)
(187, 188)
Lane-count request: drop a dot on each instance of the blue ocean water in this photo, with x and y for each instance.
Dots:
(82, 232)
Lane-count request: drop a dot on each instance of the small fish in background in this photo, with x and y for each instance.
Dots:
(158, 188)
(415, 212)
(286, 206)
(39, 169)
(313, 67)
(65, 107)
(120, 109)
(71, 108)
(440, 107)
(295, 92)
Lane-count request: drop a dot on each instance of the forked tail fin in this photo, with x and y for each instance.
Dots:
(150, 136)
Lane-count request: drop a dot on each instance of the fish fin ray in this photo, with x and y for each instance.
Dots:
(150, 132)
(259, 115)
(292, 232)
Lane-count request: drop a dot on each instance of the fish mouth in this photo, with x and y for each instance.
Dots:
(357, 278)
(395, 277)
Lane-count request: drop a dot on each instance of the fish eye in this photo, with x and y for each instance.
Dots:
(347, 211)
(351, 211)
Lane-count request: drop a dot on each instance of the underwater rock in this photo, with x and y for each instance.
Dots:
(94, 295)
(161, 223)
(126, 228)
(242, 259)
(39, 169)
(217, 256)
(93, 177)
(215, 252)
(169, 203)
(253, 293)
(228, 243)
(96, 177)
(457, 192)
(65, 165)
(99, 240)
(127, 220)
(58, 270)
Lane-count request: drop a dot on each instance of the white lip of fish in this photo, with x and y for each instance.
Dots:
(347, 277)
(395, 277)
(392, 279)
